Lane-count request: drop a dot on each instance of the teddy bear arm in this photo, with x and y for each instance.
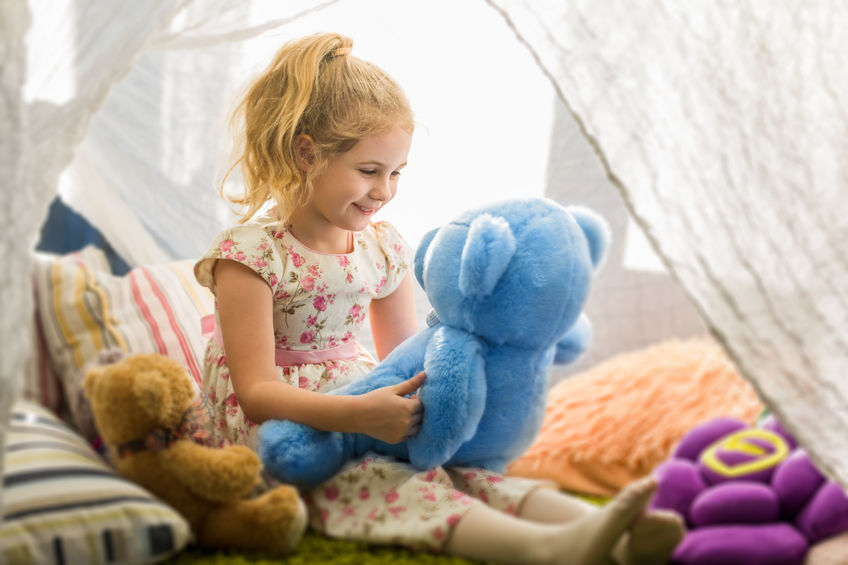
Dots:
(453, 396)
(300, 455)
(217, 474)
(575, 342)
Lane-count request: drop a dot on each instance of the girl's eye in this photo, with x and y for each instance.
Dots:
(367, 171)
(396, 173)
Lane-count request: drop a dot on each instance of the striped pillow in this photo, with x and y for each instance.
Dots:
(84, 310)
(41, 383)
(62, 504)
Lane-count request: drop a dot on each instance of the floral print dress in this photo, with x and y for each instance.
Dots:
(320, 301)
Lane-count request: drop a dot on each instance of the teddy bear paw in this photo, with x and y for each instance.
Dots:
(300, 455)
(286, 514)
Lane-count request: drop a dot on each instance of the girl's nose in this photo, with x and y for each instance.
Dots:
(381, 190)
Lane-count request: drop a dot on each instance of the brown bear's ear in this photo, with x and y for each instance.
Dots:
(153, 393)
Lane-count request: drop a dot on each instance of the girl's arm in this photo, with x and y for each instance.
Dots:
(393, 318)
(245, 308)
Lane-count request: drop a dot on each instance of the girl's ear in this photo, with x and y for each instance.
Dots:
(304, 152)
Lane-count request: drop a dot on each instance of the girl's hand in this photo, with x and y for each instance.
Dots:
(387, 415)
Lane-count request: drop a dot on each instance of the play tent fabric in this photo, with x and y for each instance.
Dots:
(720, 123)
(36, 144)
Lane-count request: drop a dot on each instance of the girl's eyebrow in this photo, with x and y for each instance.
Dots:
(379, 164)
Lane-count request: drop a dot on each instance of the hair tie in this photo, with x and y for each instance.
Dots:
(340, 51)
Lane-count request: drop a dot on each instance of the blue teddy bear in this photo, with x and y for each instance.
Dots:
(507, 283)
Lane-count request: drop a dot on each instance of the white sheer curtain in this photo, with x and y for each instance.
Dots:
(723, 125)
(146, 171)
(39, 133)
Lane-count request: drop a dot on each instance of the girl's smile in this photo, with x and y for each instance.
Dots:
(367, 211)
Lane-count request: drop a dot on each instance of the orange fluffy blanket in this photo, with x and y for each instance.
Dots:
(616, 422)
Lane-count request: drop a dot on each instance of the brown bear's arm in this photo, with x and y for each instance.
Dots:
(217, 474)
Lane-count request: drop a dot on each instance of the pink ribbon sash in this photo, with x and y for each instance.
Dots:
(286, 357)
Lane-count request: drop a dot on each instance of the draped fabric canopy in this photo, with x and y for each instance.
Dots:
(38, 140)
(722, 124)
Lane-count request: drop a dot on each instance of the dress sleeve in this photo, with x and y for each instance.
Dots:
(249, 244)
(397, 254)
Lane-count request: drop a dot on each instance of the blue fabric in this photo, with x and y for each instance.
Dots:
(508, 283)
(66, 231)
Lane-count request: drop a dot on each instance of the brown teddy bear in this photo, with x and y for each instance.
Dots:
(143, 406)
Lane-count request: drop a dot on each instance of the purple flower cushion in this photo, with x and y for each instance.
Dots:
(741, 502)
(795, 482)
(678, 483)
(748, 455)
(770, 544)
(826, 514)
(771, 424)
(747, 496)
(701, 437)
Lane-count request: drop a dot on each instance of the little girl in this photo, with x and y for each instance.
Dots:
(324, 137)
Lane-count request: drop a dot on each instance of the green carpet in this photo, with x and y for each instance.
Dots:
(317, 549)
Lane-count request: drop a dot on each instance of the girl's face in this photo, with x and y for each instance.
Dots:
(356, 184)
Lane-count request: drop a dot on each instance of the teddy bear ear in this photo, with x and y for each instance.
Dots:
(420, 254)
(596, 230)
(488, 250)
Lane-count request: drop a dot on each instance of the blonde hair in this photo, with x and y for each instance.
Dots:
(312, 87)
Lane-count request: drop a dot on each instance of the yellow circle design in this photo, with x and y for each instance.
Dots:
(741, 442)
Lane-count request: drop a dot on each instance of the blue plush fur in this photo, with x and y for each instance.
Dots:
(508, 283)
